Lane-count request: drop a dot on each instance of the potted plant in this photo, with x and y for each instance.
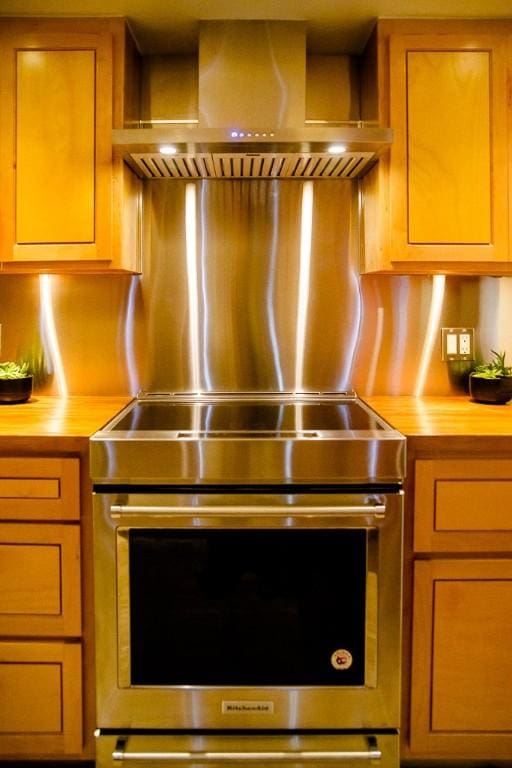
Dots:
(491, 382)
(15, 382)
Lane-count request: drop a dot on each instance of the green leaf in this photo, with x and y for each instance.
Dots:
(10, 370)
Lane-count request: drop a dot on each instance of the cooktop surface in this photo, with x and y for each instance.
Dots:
(251, 417)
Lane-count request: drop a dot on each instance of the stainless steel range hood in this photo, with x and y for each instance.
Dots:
(251, 119)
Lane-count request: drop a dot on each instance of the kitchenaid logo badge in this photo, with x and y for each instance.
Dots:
(252, 707)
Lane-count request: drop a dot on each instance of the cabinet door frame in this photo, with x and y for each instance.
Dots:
(65, 699)
(424, 740)
(39, 488)
(15, 36)
(462, 505)
(401, 249)
(57, 546)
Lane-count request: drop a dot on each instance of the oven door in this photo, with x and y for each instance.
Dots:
(248, 610)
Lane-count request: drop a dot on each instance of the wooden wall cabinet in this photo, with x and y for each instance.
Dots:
(461, 665)
(62, 89)
(438, 201)
(41, 692)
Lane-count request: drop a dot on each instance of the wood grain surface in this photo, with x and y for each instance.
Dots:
(443, 416)
(46, 416)
(81, 416)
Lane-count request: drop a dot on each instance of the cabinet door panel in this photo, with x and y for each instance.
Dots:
(461, 699)
(472, 635)
(55, 140)
(448, 172)
(55, 148)
(448, 146)
(40, 699)
(30, 577)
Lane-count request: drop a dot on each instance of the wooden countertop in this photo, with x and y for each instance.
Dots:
(81, 416)
(454, 416)
(45, 416)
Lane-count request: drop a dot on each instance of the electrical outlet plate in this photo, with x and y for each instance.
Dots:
(457, 344)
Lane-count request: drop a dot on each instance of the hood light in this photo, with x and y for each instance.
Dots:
(337, 149)
(251, 134)
(167, 149)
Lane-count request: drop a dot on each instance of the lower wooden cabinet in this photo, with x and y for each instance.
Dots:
(460, 704)
(41, 648)
(40, 698)
(461, 697)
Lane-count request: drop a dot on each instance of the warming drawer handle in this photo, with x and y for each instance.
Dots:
(230, 757)
(236, 510)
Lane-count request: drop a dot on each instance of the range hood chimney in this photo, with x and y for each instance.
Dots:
(251, 115)
(252, 75)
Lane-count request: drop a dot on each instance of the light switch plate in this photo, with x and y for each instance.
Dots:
(457, 344)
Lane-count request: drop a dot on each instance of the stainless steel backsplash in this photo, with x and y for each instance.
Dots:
(249, 286)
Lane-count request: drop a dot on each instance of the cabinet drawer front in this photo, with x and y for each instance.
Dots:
(473, 505)
(461, 699)
(463, 505)
(39, 579)
(39, 489)
(40, 699)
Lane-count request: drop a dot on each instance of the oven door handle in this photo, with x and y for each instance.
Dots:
(235, 510)
(120, 754)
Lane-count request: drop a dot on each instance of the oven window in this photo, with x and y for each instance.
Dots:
(276, 607)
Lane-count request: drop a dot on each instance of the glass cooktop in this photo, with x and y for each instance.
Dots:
(253, 417)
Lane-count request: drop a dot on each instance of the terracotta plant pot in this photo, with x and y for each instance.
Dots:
(15, 390)
(494, 391)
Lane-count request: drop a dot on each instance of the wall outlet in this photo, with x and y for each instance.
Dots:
(457, 344)
(465, 344)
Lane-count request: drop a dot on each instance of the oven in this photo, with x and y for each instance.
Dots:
(247, 582)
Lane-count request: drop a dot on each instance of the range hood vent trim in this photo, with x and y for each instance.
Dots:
(259, 165)
(211, 154)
